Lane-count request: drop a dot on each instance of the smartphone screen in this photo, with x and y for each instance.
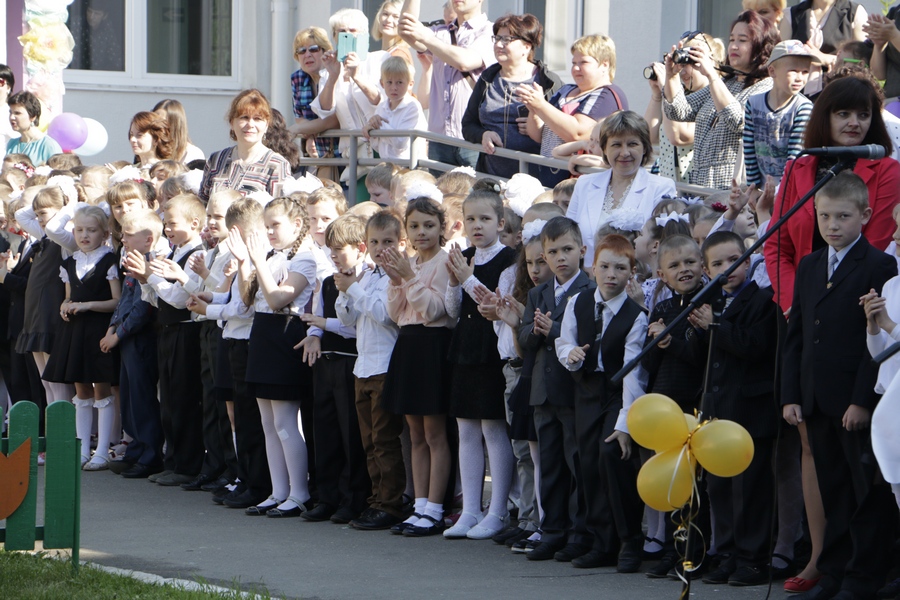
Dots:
(523, 110)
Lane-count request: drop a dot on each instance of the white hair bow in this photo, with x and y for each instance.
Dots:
(420, 189)
(126, 173)
(306, 184)
(520, 192)
(192, 179)
(625, 219)
(672, 216)
(67, 185)
(465, 169)
(261, 196)
(43, 170)
(532, 230)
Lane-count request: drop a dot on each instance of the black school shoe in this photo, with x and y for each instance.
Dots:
(120, 466)
(543, 551)
(321, 512)
(571, 551)
(214, 486)
(594, 560)
(343, 515)
(665, 564)
(245, 499)
(196, 484)
(374, 520)
(510, 532)
(747, 576)
(139, 471)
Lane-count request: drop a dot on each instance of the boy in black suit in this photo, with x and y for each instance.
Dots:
(741, 389)
(599, 333)
(552, 392)
(827, 366)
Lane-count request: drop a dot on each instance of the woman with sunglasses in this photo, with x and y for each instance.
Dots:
(718, 110)
(573, 111)
(310, 46)
(495, 117)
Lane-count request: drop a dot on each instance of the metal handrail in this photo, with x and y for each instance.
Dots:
(353, 161)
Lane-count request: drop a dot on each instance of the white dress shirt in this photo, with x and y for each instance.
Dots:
(172, 293)
(228, 308)
(364, 305)
(635, 383)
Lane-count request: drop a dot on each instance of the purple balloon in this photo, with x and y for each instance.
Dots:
(69, 130)
(893, 108)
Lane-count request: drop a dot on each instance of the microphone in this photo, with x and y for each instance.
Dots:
(869, 151)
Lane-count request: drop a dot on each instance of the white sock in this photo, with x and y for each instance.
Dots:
(277, 467)
(471, 465)
(286, 416)
(433, 510)
(106, 415)
(503, 464)
(84, 417)
(418, 507)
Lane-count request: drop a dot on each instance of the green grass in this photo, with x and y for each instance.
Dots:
(29, 577)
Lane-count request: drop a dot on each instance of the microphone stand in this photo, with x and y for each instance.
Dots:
(706, 295)
(886, 354)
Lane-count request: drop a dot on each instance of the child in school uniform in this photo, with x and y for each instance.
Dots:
(330, 348)
(132, 332)
(219, 461)
(742, 390)
(178, 339)
(416, 304)
(279, 289)
(827, 367)
(397, 110)
(477, 382)
(362, 302)
(599, 333)
(92, 292)
(672, 369)
(254, 487)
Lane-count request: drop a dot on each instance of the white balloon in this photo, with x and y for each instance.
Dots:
(96, 141)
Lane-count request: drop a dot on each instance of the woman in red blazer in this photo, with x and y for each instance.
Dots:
(847, 113)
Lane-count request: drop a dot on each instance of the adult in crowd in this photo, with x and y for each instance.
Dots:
(150, 139)
(770, 10)
(847, 113)
(7, 83)
(718, 110)
(460, 51)
(386, 29)
(823, 25)
(182, 149)
(493, 117)
(676, 138)
(573, 111)
(310, 46)
(249, 165)
(24, 117)
(885, 36)
(625, 146)
(352, 90)
(278, 138)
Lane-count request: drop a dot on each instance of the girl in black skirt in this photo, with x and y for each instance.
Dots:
(92, 291)
(477, 381)
(279, 290)
(416, 304)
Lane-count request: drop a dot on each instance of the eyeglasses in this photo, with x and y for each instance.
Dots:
(504, 40)
(301, 51)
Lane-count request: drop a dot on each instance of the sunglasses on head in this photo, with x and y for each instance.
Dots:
(304, 49)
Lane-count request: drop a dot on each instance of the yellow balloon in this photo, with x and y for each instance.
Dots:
(724, 448)
(692, 421)
(656, 422)
(666, 481)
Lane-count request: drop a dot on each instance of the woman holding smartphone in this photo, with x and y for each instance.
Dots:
(495, 117)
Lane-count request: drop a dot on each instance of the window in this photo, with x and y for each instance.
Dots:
(172, 43)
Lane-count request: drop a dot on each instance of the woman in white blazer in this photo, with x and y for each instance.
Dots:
(626, 148)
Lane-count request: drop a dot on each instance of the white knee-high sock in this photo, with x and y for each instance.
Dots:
(294, 448)
(471, 467)
(281, 488)
(503, 463)
(106, 416)
(84, 419)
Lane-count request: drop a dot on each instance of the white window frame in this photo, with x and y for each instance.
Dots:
(136, 75)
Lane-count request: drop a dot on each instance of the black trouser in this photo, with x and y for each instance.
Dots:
(614, 507)
(860, 511)
(219, 458)
(341, 473)
(742, 508)
(180, 396)
(252, 465)
(138, 377)
(561, 499)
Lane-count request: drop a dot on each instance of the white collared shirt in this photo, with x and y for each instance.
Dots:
(364, 305)
(228, 307)
(635, 383)
(172, 293)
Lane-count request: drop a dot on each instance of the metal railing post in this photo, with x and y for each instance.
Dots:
(353, 180)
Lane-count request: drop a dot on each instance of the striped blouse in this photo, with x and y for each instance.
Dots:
(224, 171)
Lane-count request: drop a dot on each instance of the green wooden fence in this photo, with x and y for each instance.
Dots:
(62, 480)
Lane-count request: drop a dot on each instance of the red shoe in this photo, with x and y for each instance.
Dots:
(795, 585)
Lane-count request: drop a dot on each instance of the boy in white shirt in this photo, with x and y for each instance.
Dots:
(398, 110)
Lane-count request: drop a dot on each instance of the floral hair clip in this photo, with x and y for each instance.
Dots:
(29, 171)
(532, 230)
(672, 216)
(718, 207)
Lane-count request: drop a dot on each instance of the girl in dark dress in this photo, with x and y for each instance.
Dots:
(477, 382)
(92, 288)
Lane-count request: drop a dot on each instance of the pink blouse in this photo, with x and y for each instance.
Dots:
(420, 300)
